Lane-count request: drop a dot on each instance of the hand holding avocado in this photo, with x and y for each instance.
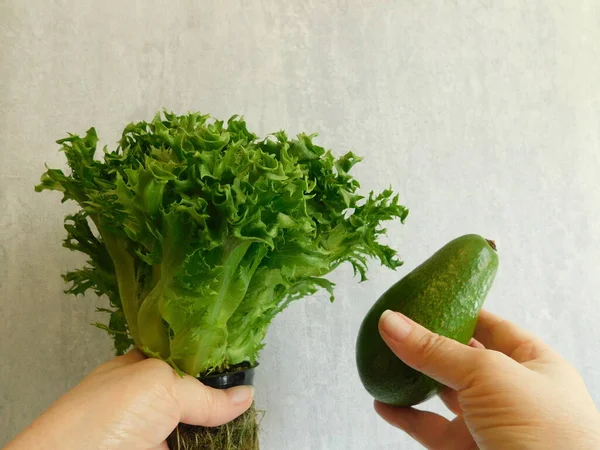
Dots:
(506, 387)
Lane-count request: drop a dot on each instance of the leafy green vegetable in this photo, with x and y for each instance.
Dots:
(200, 233)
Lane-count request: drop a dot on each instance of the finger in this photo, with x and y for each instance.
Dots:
(506, 337)
(132, 356)
(209, 407)
(476, 344)
(445, 360)
(450, 398)
(429, 429)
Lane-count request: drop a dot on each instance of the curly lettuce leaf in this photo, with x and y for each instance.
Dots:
(206, 232)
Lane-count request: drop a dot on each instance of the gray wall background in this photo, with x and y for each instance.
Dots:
(483, 115)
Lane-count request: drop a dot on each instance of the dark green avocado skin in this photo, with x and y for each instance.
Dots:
(445, 295)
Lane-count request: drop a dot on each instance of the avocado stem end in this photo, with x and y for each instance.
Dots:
(492, 244)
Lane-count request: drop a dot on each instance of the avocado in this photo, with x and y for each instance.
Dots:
(443, 294)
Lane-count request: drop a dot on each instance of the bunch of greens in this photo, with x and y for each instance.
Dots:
(200, 233)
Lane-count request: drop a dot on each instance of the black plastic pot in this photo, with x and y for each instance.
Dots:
(243, 376)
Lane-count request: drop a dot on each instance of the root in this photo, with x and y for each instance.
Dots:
(239, 434)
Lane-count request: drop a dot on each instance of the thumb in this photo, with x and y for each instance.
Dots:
(209, 407)
(443, 359)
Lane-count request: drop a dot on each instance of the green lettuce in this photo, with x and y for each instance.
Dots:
(200, 233)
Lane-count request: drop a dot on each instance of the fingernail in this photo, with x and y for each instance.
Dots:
(394, 325)
(475, 343)
(240, 394)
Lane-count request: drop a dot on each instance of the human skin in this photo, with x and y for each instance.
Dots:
(128, 403)
(508, 389)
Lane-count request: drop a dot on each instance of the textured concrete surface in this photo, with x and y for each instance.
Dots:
(484, 115)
